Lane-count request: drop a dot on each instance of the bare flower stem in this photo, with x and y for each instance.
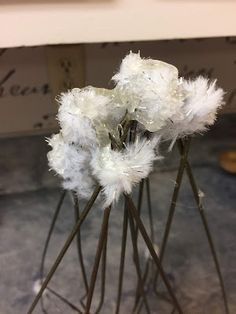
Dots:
(54, 219)
(101, 243)
(103, 275)
(150, 214)
(184, 164)
(79, 246)
(183, 160)
(122, 259)
(133, 211)
(49, 235)
(65, 248)
(145, 275)
(149, 264)
(139, 207)
(64, 300)
(136, 259)
(206, 227)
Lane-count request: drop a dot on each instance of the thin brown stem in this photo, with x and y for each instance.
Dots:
(139, 207)
(201, 211)
(79, 246)
(172, 208)
(122, 259)
(136, 259)
(145, 275)
(49, 235)
(103, 275)
(133, 211)
(101, 242)
(160, 295)
(65, 248)
(64, 300)
(150, 214)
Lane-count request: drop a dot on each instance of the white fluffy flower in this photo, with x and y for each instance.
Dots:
(152, 93)
(81, 182)
(84, 115)
(203, 100)
(149, 89)
(199, 109)
(118, 171)
(72, 164)
(63, 157)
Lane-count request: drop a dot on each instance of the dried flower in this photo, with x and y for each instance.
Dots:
(198, 111)
(85, 115)
(118, 171)
(149, 89)
(72, 164)
(152, 94)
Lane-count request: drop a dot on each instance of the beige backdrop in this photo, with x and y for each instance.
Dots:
(31, 77)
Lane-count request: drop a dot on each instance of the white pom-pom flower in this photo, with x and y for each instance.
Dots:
(61, 156)
(202, 101)
(152, 94)
(81, 182)
(199, 109)
(84, 115)
(72, 164)
(118, 171)
(149, 89)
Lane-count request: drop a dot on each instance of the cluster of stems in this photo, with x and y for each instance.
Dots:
(132, 222)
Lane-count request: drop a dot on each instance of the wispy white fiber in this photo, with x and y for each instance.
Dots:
(202, 101)
(72, 163)
(65, 158)
(150, 90)
(37, 286)
(80, 111)
(118, 171)
(82, 183)
(147, 254)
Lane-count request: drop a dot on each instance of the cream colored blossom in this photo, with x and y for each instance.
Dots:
(149, 89)
(119, 171)
(199, 109)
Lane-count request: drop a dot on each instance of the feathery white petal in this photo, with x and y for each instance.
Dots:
(118, 171)
(84, 115)
(72, 163)
(199, 109)
(149, 89)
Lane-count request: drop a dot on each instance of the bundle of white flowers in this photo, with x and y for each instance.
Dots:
(90, 148)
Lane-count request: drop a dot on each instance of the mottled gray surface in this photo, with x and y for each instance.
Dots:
(25, 218)
(23, 165)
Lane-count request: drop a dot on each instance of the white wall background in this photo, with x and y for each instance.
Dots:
(39, 22)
